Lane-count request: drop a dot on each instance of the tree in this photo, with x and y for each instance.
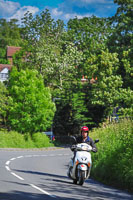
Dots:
(58, 66)
(4, 104)
(9, 36)
(121, 41)
(34, 28)
(31, 109)
(108, 90)
(121, 38)
(89, 34)
(42, 43)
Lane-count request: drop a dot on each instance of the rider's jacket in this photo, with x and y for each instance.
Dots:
(88, 141)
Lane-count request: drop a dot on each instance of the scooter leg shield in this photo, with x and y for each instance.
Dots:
(70, 168)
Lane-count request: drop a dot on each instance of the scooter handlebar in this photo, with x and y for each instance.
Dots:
(73, 147)
(81, 148)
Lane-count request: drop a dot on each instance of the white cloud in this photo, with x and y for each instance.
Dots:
(13, 10)
(65, 14)
(96, 1)
(7, 8)
(56, 12)
(20, 12)
(71, 16)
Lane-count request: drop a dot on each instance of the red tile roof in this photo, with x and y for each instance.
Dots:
(11, 50)
(3, 66)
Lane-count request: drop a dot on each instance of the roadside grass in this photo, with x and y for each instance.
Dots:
(13, 139)
(113, 163)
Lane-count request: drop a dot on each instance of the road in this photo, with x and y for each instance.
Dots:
(41, 174)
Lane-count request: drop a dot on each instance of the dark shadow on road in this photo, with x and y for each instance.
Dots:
(40, 173)
(18, 195)
(62, 186)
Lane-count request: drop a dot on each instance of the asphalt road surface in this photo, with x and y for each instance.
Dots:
(41, 174)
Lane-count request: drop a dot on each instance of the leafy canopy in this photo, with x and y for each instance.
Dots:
(31, 107)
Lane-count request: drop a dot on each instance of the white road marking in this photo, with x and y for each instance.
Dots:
(8, 162)
(20, 156)
(17, 176)
(7, 168)
(12, 158)
(41, 190)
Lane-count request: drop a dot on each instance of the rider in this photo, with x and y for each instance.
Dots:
(84, 138)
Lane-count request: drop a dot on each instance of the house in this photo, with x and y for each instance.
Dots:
(4, 71)
(11, 50)
(5, 68)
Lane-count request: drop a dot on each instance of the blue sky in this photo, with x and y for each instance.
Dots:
(59, 9)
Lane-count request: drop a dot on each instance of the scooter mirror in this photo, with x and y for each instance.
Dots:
(96, 141)
(73, 140)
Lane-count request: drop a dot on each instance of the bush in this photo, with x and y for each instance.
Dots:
(113, 164)
(14, 139)
(41, 140)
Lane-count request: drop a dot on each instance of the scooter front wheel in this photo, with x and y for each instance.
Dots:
(81, 177)
(74, 181)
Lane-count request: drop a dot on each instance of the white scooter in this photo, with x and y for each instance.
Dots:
(80, 167)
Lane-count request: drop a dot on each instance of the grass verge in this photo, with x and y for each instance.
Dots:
(13, 139)
(113, 163)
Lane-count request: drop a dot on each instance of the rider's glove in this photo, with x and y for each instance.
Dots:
(94, 149)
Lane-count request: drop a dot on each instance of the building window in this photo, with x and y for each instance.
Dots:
(3, 76)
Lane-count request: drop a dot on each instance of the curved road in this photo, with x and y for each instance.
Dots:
(41, 174)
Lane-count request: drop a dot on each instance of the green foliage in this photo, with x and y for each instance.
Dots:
(4, 100)
(10, 35)
(73, 109)
(79, 109)
(14, 139)
(3, 59)
(108, 91)
(127, 65)
(56, 66)
(113, 163)
(31, 108)
(126, 102)
(89, 34)
(41, 140)
(41, 26)
(122, 21)
(121, 41)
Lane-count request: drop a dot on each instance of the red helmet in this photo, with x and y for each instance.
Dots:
(84, 128)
